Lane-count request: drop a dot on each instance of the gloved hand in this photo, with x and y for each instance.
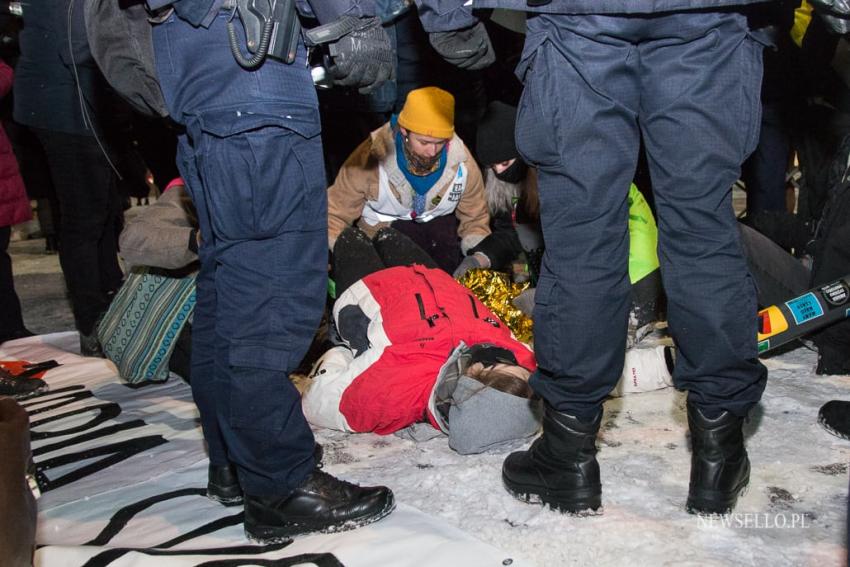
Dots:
(525, 301)
(360, 50)
(477, 260)
(468, 48)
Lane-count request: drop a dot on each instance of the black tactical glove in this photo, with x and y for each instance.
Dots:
(468, 48)
(360, 50)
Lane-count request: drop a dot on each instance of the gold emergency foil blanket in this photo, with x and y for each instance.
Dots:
(496, 291)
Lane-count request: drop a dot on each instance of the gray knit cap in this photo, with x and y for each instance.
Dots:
(476, 417)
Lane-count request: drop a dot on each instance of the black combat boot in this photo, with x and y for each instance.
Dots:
(720, 468)
(223, 485)
(322, 503)
(560, 468)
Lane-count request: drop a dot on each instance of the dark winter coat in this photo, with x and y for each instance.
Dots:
(46, 94)
(14, 203)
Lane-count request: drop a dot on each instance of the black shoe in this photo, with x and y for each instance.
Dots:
(90, 345)
(20, 388)
(322, 503)
(834, 416)
(223, 485)
(560, 467)
(720, 468)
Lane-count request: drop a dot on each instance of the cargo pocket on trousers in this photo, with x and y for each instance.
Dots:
(546, 107)
(751, 108)
(258, 399)
(547, 324)
(262, 171)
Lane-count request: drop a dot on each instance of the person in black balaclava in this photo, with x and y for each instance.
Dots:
(510, 187)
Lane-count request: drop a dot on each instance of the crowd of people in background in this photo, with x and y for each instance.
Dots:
(520, 145)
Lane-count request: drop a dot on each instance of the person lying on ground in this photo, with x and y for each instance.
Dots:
(419, 347)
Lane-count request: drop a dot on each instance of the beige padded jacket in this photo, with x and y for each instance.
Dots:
(357, 183)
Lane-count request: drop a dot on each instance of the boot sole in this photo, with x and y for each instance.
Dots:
(840, 434)
(576, 503)
(711, 503)
(221, 498)
(281, 534)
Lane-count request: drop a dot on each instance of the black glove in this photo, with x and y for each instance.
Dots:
(468, 48)
(361, 52)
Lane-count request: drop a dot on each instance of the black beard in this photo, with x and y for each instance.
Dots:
(514, 174)
(418, 165)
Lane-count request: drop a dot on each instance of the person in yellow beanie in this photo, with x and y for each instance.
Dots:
(416, 176)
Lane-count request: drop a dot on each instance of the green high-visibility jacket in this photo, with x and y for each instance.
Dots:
(643, 235)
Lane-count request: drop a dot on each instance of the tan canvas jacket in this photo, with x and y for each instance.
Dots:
(357, 183)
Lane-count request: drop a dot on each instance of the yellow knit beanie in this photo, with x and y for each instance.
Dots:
(429, 111)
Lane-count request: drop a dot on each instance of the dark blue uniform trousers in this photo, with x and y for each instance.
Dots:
(689, 83)
(251, 157)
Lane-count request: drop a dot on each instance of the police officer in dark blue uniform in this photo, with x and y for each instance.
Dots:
(599, 74)
(251, 156)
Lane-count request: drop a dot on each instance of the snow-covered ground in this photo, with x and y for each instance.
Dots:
(793, 513)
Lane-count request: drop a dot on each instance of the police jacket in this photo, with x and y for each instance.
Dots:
(202, 12)
(400, 324)
(446, 15)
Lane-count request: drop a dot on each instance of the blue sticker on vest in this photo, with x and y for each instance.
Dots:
(805, 308)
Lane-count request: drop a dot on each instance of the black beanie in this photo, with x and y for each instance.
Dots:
(495, 138)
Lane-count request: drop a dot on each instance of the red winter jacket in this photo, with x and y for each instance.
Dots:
(409, 320)
(14, 203)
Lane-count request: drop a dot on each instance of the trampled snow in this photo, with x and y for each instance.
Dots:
(792, 514)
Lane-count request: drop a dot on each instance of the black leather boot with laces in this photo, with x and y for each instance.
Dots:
(322, 503)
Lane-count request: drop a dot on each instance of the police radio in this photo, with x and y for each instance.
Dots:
(271, 30)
